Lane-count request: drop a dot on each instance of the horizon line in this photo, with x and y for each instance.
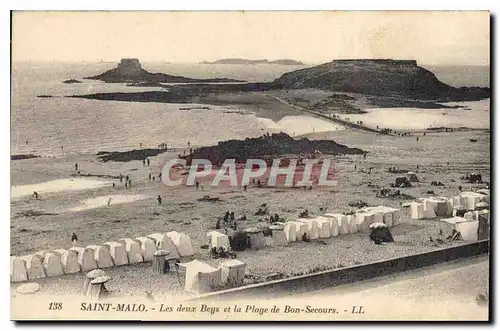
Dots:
(201, 61)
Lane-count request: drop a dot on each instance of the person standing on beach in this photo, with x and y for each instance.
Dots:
(121, 178)
(159, 199)
(147, 160)
(149, 176)
(197, 185)
(109, 201)
(113, 185)
(74, 239)
(35, 195)
(144, 162)
(130, 183)
(76, 166)
(126, 185)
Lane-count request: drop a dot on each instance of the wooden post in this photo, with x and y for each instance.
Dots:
(91, 275)
(159, 261)
(97, 288)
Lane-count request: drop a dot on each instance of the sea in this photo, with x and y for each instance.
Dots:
(62, 125)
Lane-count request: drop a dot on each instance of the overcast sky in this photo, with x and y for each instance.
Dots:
(311, 37)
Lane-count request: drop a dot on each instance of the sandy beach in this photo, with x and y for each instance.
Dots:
(49, 222)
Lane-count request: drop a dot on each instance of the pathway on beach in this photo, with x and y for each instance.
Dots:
(444, 291)
(331, 118)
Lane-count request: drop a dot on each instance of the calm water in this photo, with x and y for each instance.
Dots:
(83, 126)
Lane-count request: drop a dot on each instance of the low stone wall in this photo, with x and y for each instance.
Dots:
(327, 279)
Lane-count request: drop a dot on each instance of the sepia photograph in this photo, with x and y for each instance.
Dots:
(250, 165)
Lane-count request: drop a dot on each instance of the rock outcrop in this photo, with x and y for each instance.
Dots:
(398, 78)
(130, 70)
(71, 81)
(267, 146)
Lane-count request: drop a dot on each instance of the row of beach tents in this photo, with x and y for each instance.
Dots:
(125, 251)
(468, 212)
(329, 225)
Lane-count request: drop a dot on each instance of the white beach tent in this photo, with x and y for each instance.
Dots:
(86, 258)
(334, 225)
(312, 228)
(417, 210)
(233, 272)
(428, 209)
(468, 229)
(18, 272)
(441, 206)
(69, 260)
(352, 222)
(133, 249)
(34, 267)
(52, 265)
(201, 277)
(342, 222)
(471, 199)
(102, 256)
(163, 242)
(218, 239)
(323, 224)
(290, 231)
(117, 252)
(300, 229)
(148, 248)
(183, 243)
(378, 213)
(278, 235)
(363, 220)
(257, 239)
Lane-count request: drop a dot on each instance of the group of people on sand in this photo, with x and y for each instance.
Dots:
(127, 180)
(228, 221)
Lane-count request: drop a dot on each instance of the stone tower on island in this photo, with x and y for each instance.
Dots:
(129, 67)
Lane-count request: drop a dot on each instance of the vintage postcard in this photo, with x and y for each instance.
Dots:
(250, 165)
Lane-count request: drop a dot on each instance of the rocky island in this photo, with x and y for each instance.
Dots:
(130, 71)
(378, 77)
(381, 83)
(71, 81)
(264, 61)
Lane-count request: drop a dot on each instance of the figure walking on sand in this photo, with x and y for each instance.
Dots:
(76, 166)
(144, 162)
(149, 176)
(147, 160)
(197, 185)
(35, 195)
(159, 199)
(74, 239)
(109, 201)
